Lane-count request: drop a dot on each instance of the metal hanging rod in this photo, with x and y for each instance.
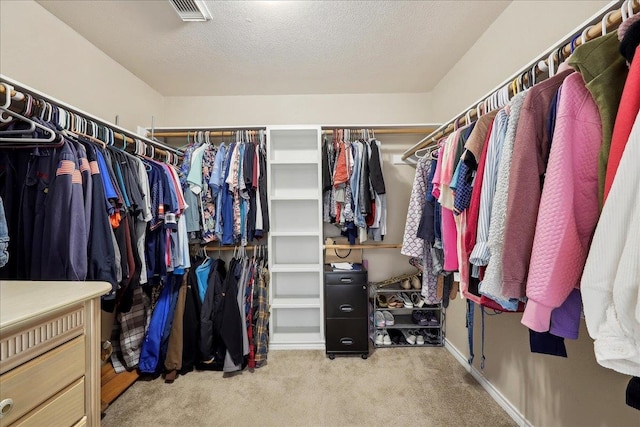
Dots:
(609, 18)
(123, 135)
(400, 130)
(213, 131)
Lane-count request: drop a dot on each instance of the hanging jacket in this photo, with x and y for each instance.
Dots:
(528, 165)
(604, 71)
(227, 318)
(209, 336)
(568, 207)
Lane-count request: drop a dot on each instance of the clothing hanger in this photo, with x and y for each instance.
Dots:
(51, 137)
(623, 11)
(605, 20)
(584, 35)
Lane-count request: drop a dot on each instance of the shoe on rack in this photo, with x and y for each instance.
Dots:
(396, 336)
(416, 283)
(381, 300)
(417, 300)
(431, 337)
(394, 301)
(419, 317)
(379, 317)
(386, 339)
(419, 338)
(408, 336)
(406, 299)
(388, 318)
(379, 338)
(432, 319)
(405, 284)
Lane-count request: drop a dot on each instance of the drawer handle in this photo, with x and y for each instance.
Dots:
(347, 308)
(346, 341)
(346, 279)
(5, 407)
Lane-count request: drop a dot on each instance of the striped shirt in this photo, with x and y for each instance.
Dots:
(480, 254)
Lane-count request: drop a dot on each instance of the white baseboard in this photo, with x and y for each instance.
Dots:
(504, 403)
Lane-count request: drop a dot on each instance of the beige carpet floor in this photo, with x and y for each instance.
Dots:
(400, 386)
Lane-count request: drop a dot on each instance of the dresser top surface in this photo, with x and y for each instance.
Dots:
(23, 300)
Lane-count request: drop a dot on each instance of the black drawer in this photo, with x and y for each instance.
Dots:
(345, 277)
(347, 336)
(346, 301)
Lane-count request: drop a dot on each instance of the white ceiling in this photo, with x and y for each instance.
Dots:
(284, 47)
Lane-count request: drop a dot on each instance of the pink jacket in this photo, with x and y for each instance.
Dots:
(569, 206)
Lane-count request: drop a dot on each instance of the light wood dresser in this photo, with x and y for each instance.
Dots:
(50, 353)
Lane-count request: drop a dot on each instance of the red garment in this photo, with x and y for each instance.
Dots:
(341, 173)
(627, 112)
(474, 206)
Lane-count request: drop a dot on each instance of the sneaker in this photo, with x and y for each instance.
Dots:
(379, 338)
(406, 299)
(386, 340)
(408, 336)
(388, 318)
(417, 300)
(419, 338)
(432, 319)
(379, 318)
(419, 318)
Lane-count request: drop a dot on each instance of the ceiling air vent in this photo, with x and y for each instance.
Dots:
(191, 10)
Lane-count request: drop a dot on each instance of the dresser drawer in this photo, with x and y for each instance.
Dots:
(31, 384)
(346, 301)
(64, 409)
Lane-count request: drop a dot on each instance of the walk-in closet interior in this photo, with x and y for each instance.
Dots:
(319, 213)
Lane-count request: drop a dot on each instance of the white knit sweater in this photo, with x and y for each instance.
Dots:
(611, 278)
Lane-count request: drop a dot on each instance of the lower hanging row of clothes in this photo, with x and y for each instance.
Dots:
(211, 317)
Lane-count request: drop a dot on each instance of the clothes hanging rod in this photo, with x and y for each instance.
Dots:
(385, 131)
(381, 246)
(210, 248)
(184, 134)
(610, 17)
(121, 134)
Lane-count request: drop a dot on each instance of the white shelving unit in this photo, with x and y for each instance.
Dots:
(295, 240)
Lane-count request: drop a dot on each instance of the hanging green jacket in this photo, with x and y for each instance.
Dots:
(604, 71)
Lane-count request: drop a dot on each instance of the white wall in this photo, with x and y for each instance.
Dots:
(298, 109)
(522, 32)
(549, 391)
(39, 50)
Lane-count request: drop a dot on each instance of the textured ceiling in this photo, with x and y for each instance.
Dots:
(284, 47)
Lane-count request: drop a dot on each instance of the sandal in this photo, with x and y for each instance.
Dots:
(395, 302)
(382, 300)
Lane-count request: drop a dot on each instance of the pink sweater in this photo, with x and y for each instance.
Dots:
(569, 206)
